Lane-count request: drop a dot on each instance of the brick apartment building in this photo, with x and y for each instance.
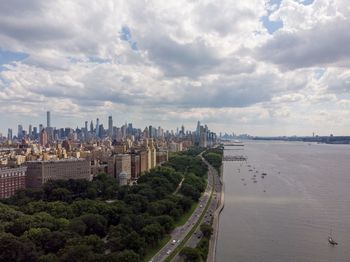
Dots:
(11, 179)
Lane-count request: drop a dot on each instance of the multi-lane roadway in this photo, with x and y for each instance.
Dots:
(178, 234)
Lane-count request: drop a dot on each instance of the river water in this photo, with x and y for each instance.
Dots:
(288, 214)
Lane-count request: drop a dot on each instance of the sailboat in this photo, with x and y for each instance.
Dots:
(331, 240)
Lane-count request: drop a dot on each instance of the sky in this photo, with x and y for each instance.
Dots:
(277, 67)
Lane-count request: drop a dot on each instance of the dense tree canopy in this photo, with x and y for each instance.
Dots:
(73, 221)
(214, 157)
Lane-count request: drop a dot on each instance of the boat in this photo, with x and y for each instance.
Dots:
(332, 241)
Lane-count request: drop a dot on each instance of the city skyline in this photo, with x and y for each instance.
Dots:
(47, 134)
(95, 124)
(259, 67)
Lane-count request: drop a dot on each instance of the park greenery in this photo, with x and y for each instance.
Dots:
(79, 220)
(214, 157)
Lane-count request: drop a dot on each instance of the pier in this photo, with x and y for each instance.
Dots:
(234, 158)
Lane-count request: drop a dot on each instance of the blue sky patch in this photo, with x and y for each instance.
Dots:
(319, 72)
(275, 2)
(271, 26)
(7, 57)
(125, 35)
(306, 2)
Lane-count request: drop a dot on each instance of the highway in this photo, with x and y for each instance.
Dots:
(179, 233)
(213, 205)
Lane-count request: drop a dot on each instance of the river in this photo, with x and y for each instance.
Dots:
(288, 214)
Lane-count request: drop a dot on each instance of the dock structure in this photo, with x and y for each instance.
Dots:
(234, 158)
(234, 144)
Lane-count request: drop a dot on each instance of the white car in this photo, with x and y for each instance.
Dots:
(173, 242)
(168, 252)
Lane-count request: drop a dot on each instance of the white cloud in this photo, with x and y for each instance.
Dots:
(184, 60)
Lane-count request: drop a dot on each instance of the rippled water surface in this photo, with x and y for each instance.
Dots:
(288, 214)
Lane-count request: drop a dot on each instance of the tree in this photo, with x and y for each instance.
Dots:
(76, 253)
(152, 233)
(78, 226)
(7, 213)
(207, 230)
(61, 194)
(128, 256)
(95, 243)
(166, 221)
(48, 258)
(190, 254)
(15, 249)
(135, 242)
(95, 224)
(38, 236)
(185, 203)
(55, 241)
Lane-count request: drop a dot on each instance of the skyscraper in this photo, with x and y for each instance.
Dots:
(91, 127)
(43, 137)
(110, 126)
(48, 119)
(20, 131)
(150, 132)
(30, 131)
(9, 134)
(97, 127)
(35, 132)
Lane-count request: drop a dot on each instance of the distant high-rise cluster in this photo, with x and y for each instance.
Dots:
(123, 152)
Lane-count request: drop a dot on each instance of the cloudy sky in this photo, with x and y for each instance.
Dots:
(260, 67)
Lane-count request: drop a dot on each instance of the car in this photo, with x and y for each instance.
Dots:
(168, 252)
(173, 241)
(201, 206)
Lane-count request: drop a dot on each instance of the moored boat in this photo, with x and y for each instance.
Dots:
(332, 241)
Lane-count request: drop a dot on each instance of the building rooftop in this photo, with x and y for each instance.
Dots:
(58, 160)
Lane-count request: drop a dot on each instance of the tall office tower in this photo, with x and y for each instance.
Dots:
(41, 127)
(123, 131)
(183, 130)
(20, 131)
(130, 129)
(150, 132)
(86, 126)
(97, 127)
(30, 131)
(43, 137)
(35, 132)
(9, 134)
(48, 119)
(110, 126)
(101, 131)
(91, 127)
